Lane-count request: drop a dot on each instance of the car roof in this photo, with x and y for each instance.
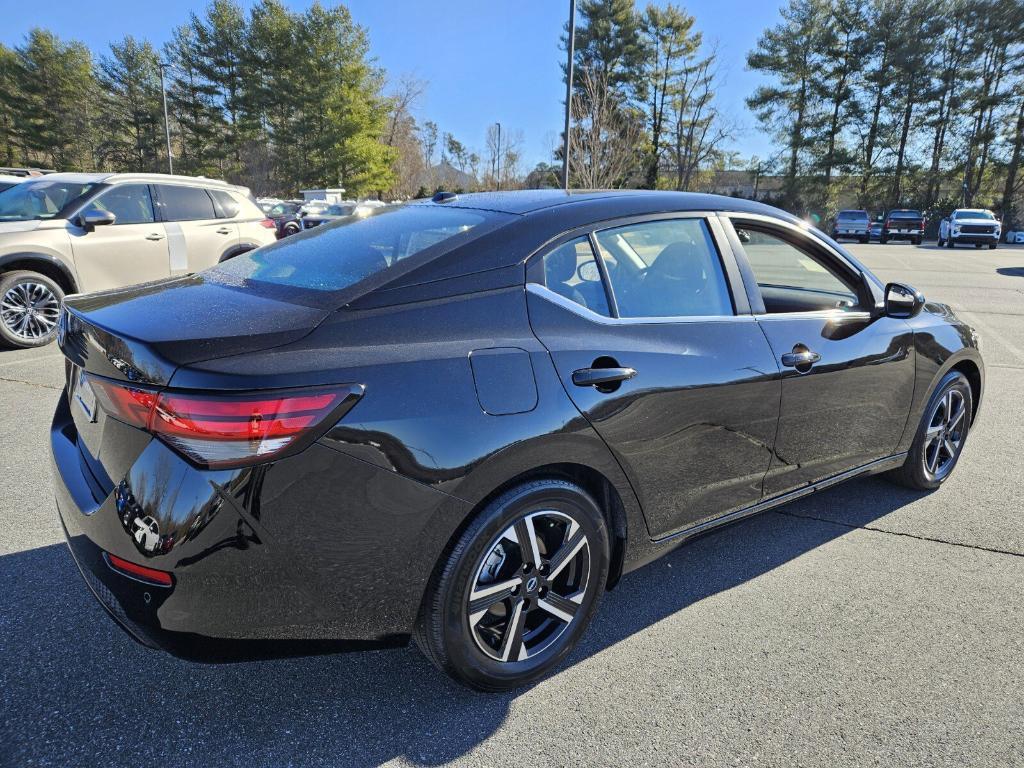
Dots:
(527, 201)
(149, 178)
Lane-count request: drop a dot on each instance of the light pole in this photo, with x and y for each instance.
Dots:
(498, 153)
(568, 93)
(167, 124)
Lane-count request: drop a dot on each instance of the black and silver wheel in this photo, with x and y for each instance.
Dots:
(29, 309)
(519, 587)
(940, 436)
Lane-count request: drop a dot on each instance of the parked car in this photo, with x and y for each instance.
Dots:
(852, 224)
(338, 211)
(6, 181)
(903, 224)
(969, 225)
(286, 217)
(875, 233)
(449, 420)
(56, 238)
(266, 203)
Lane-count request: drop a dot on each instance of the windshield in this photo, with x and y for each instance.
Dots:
(282, 209)
(335, 256)
(42, 199)
(340, 210)
(967, 215)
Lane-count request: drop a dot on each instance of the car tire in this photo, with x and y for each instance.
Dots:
(864, 240)
(883, 239)
(475, 639)
(950, 243)
(290, 229)
(940, 437)
(977, 246)
(940, 242)
(29, 309)
(916, 241)
(992, 246)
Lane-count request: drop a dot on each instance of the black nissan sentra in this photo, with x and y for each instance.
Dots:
(463, 420)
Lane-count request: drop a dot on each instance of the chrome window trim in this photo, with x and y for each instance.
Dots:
(546, 293)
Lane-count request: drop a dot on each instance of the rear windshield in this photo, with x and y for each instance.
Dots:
(853, 215)
(973, 215)
(905, 215)
(337, 255)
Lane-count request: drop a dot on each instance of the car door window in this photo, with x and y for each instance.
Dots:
(178, 203)
(791, 278)
(571, 271)
(130, 204)
(666, 268)
(227, 206)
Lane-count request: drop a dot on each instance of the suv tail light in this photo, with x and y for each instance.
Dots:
(219, 430)
(269, 224)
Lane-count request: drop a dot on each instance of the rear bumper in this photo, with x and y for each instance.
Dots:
(892, 235)
(267, 561)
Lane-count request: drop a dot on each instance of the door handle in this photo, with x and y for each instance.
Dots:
(596, 377)
(223, 231)
(801, 358)
(154, 236)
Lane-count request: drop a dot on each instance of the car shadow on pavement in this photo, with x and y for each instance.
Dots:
(78, 691)
(1011, 271)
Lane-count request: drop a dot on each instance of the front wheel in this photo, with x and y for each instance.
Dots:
(29, 309)
(519, 588)
(950, 243)
(940, 436)
(940, 242)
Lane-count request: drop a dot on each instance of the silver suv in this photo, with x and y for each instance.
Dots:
(81, 232)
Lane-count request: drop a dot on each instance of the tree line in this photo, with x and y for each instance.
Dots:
(643, 99)
(895, 103)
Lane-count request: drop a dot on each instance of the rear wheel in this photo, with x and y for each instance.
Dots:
(940, 242)
(519, 588)
(29, 308)
(992, 246)
(864, 240)
(940, 436)
(977, 246)
(883, 239)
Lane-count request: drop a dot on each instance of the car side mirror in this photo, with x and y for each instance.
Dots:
(94, 217)
(903, 301)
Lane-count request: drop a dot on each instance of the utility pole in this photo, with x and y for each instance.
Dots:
(571, 48)
(167, 124)
(497, 173)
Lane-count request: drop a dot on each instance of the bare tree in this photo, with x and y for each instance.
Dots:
(605, 137)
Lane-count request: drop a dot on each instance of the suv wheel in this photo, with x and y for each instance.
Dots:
(518, 589)
(29, 309)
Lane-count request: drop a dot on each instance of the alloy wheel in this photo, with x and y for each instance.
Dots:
(529, 586)
(29, 310)
(945, 434)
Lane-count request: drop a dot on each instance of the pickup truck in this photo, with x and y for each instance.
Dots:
(903, 224)
(852, 224)
(970, 225)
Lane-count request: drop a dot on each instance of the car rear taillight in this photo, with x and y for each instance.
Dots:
(227, 430)
(269, 224)
(140, 572)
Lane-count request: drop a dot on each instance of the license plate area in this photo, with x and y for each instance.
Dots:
(83, 396)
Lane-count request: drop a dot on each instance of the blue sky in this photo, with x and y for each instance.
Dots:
(484, 60)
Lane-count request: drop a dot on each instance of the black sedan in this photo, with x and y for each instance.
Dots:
(463, 420)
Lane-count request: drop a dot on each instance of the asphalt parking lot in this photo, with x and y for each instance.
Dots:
(865, 625)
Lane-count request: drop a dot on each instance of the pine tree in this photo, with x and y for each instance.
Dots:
(133, 111)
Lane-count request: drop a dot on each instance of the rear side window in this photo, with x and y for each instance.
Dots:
(665, 268)
(185, 203)
(571, 271)
(227, 206)
(130, 203)
(339, 254)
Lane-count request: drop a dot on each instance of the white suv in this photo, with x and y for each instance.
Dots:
(969, 225)
(81, 232)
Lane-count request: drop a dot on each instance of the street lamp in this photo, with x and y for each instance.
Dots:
(167, 124)
(568, 93)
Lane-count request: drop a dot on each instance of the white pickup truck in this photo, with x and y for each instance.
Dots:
(969, 225)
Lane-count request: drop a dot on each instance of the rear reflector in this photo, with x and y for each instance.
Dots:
(141, 572)
(224, 430)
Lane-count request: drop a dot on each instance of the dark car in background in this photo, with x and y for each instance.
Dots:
(875, 233)
(330, 213)
(903, 224)
(286, 218)
(852, 224)
(463, 420)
